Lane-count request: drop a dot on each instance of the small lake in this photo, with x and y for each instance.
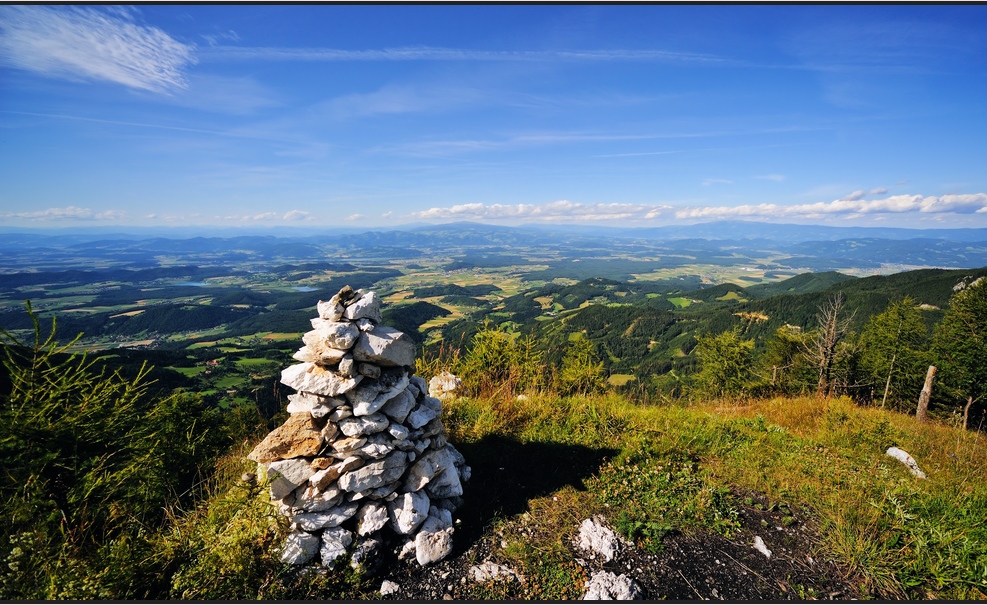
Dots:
(198, 284)
(303, 288)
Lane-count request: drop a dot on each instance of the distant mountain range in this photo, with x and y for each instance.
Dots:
(789, 247)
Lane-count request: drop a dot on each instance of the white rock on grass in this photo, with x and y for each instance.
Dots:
(596, 538)
(299, 548)
(905, 458)
(489, 570)
(607, 586)
(444, 386)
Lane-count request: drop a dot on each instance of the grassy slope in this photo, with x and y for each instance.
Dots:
(545, 463)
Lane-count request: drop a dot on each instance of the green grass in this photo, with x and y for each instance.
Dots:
(680, 302)
(679, 468)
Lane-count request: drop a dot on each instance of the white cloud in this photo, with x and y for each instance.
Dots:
(708, 182)
(771, 177)
(264, 216)
(427, 53)
(82, 43)
(565, 210)
(354, 217)
(554, 211)
(68, 213)
(861, 194)
(295, 215)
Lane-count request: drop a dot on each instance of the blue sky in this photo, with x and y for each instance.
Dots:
(378, 115)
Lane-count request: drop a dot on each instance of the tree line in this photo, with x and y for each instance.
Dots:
(883, 364)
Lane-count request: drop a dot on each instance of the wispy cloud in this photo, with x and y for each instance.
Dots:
(861, 194)
(553, 211)
(771, 177)
(68, 213)
(708, 182)
(429, 53)
(82, 43)
(295, 215)
(975, 203)
(565, 210)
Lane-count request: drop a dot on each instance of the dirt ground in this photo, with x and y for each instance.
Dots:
(689, 568)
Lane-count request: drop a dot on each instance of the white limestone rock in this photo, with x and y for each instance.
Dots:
(371, 517)
(330, 310)
(905, 458)
(363, 425)
(377, 446)
(312, 500)
(446, 484)
(398, 407)
(607, 586)
(434, 540)
(299, 548)
(343, 411)
(423, 414)
(408, 511)
(322, 479)
(286, 475)
(316, 405)
(397, 431)
(331, 335)
(445, 386)
(375, 474)
(390, 386)
(488, 570)
(367, 306)
(427, 468)
(347, 367)
(761, 547)
(325, 356)
(335, 541)
(316, 379)
(387, 588)
(329, 518)
(598, 539)
(385, 346)
(419, 386)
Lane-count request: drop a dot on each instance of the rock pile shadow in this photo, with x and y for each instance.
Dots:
(507, 473)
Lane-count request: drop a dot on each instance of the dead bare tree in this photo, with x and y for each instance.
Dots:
(823, 348)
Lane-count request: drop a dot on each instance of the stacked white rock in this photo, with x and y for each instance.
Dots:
(363, 458)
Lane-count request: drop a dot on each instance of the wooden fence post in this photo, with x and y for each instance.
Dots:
(923, 398)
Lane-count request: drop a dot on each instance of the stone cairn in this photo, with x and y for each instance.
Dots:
(363, 461)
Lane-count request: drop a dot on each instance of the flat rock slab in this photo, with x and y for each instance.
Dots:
(385, 346)
(300, 435)
(313, 378)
